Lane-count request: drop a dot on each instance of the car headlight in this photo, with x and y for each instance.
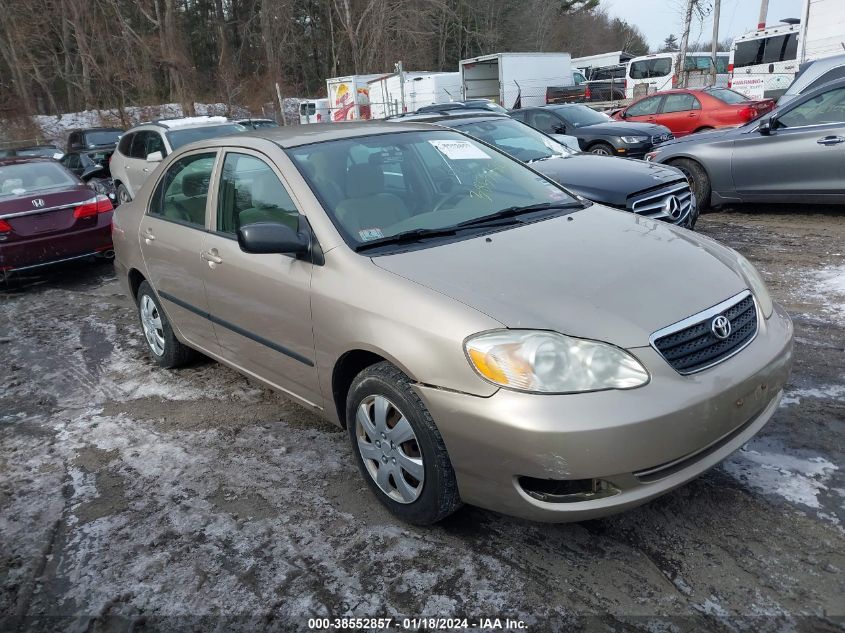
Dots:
(548, 362)
(651, 156)
(757, 286)
(633, 139)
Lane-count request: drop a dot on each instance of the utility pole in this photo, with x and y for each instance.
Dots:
(400, 70)
(714, 47)
(281, 104)
(764, 14)
(682, 53)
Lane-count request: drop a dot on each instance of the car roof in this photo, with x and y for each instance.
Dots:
(296, 135)
(98, 129)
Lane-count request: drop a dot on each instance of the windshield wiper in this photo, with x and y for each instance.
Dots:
(414, 235)
(513, 212)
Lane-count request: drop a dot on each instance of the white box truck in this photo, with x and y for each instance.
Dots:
(503, 77)
(822, 32)
(390, 96)
(349, 97)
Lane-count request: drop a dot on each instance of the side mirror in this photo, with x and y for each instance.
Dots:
(765, 128)
(155, 157)
(270, 237)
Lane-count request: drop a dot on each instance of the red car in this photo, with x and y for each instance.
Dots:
(47, 215)
(688, 111)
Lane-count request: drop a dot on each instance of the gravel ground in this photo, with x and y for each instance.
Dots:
(133, 498)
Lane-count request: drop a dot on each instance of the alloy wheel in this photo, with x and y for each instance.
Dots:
(389, 448)
(151, 322)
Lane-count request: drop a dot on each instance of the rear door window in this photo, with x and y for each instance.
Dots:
(139, 145)
(182, 194)
(125, 145)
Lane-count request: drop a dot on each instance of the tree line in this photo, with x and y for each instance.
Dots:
(68, 55)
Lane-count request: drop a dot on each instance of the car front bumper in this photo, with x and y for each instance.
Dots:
(641, 442)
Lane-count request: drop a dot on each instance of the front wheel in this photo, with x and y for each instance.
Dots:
(398, 448)
(602, 149)
(698, 180)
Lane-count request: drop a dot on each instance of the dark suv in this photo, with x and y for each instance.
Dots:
(93, 138)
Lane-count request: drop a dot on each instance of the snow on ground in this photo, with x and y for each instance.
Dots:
(829, 286)
(766, 466)
(824, 392)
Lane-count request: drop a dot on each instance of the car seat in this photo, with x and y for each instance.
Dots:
(268, 203)
(367, 206)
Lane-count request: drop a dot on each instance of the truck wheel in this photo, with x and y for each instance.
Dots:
(398, 448)
(698, 179)
(602, 149)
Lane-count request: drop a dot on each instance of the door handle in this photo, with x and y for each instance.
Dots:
(148, 235)
(692, 114)
(211, 257)
(831, 140)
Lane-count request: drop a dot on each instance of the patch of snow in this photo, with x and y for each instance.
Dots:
(796, 479)
(825, 392)
(191, 121)
(712, 607)
(829, 286)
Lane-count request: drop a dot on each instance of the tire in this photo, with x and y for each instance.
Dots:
(699, 181)
(421, 501)
(706, 128)
(602, 149)
(123, 194)
(164, 347)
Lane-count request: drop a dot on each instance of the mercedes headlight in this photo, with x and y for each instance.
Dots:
(757, 286)
(634, 139)
(548, 362)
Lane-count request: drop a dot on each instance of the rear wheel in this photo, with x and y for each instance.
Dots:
(164, 347)
(398, 448)
(602, 149)
(123, 194)
(706, 128)
(698, 179)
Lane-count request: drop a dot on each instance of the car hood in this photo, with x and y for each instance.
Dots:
(587, 175)
(700, 137)
(598, 273)
(619, 128)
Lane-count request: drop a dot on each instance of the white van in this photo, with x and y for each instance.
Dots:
(314, 111)
(656, 72)
(763, 62)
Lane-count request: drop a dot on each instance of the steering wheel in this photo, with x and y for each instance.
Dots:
(457, 196)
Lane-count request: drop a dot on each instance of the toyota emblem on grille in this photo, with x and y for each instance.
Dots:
(672, 207)
(721, 327)
(38, 203)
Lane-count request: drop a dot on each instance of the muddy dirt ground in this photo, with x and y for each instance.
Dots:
(135, 499)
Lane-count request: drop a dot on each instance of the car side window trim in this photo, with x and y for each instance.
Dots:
(205, 228)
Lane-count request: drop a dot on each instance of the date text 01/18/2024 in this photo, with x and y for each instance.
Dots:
(415, 624)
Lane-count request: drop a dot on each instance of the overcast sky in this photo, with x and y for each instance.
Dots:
(658, 18)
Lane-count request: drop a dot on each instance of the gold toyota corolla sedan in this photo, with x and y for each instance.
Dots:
(485, 336)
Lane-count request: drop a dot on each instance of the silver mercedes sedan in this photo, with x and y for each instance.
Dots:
(484, 335)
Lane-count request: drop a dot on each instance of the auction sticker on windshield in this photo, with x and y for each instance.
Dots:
(459, 150)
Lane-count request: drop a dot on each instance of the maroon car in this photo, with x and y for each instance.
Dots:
(47, 215)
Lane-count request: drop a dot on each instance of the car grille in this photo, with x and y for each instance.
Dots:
(659, 138)
(691, 346)
(657, 203)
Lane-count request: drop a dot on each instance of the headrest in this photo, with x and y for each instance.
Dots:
(195, 184)
(364, 180)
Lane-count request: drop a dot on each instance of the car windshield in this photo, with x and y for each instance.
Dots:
(102, 137)
(27, 178)
(580, 116)
(375, 187)
(517, 139)
(727, 96)
(183, 136)
(489, 105)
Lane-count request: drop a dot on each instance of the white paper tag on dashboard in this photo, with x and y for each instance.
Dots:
(459, 150)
